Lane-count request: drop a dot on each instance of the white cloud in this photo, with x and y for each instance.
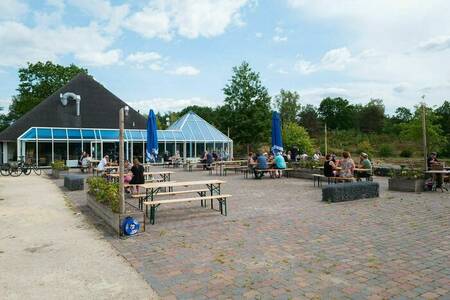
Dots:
(437, 43)
(143, 57)
(333, 60)
(21, 44)
(279, 36)
(169, 104)
(4, 106)
(187, 18)
(12, 9)
(186, 71)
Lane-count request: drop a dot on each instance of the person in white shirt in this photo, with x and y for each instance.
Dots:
(103, 163)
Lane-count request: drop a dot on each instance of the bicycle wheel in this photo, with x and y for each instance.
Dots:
(4, 170)
(15, 171)
(36, 170)
(26, 170)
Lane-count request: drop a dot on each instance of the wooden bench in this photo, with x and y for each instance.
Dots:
(141, 196)
(272, 171)
(235, 168)
(339, 179)
(318, 177)
(154, 204)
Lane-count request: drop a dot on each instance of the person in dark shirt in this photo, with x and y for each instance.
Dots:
(209, 160)
(261, 164)
(328, 167)
(432, 160)
(138, 173)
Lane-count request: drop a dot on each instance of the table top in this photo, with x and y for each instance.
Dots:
(153, 185)
(438, 172)
(362, 170)
(145, 173)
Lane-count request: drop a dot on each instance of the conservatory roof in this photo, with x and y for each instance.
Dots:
(189, 128)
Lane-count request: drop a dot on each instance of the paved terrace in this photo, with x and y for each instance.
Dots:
(280, 241)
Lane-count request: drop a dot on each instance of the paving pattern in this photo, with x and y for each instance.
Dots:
(279, 241)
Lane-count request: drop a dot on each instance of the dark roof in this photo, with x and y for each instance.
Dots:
(99, 108)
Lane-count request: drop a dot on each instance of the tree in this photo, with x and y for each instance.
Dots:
(336, 113)
(295, 135)
(287, 103)
(247, 107)
(371, 116)
(402, 115)
(413, 129)
(443, 112)
(309, 118)
(37, 82)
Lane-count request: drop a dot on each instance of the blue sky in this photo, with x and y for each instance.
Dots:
(169, 54)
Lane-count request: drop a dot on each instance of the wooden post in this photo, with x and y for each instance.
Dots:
(424, 134)
(121, 162)
(326, 142)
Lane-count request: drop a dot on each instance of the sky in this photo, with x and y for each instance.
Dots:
(168, 54)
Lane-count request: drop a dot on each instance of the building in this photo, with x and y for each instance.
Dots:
(60, 130)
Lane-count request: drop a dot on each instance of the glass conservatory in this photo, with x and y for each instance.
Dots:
(190, 136)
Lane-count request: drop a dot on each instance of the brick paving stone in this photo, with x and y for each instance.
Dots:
(280, 240)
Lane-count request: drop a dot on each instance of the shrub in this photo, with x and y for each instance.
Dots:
(406, 153)
(59, 165)
(104, 192)
(295, 135)
(366, 147)
(385, 150)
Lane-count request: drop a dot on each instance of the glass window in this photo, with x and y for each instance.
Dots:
(200, 149)
(30, 151)
(196, 130)
(170, 148)
(74, 151)
(136, 135)
(137, 151)
(178, 135)
(59, 134)
(74, 134)
(60, 149)
(88, 134)
(30, 134)
(110, 134)
(44, 133)
(45, 153)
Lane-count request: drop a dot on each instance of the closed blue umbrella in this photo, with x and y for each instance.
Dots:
(152, 138)
(277, 140)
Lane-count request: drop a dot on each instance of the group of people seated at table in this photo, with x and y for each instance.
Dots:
(345, 167)
(134, 173)
(262, 161)
(172, 160)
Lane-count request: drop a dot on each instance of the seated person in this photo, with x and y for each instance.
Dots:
(365, 164)
(261, 164)
(166, 156)
(434, 164)
(347, 165)
(209, 160)
(279, 163)
(432, 160)
(103, 163)
(251, 161)
(329, 167)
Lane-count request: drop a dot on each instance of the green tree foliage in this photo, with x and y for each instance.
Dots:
(402, 115)
(296, 135)
(371, 116)
(37, 82)
(309, 118)
(412, 130)
(247, 107)
(287, 103)
(337, 113)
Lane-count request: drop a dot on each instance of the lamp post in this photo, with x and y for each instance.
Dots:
(122, 113)
(424, 132)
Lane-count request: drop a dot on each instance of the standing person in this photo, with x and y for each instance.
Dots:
(138, 173)
(209, 160)
(347, 165)
(261, 164)
(80, 161)
(432, 160)
(294, 154)
(329, 167)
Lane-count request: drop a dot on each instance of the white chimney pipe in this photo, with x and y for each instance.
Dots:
(65, 97)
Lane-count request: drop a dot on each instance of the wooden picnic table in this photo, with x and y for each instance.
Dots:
(437, 178)
(164, 175)
(152, 188)
(222, 163)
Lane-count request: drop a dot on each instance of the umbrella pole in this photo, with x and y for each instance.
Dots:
(121, 162)
(424, 134)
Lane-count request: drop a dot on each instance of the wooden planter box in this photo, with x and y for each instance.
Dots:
(114, 220)
(304, 173)
(406, 185)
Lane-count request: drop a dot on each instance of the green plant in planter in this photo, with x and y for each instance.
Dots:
(104, 192)
(309, 164)
(407, 173)
(59, 165)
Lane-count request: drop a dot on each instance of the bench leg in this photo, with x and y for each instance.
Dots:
(225, 204)
(152, 214)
